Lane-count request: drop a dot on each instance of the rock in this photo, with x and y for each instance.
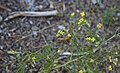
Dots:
(94, 1)
(61, 27)
(35, 33)
(1, 18)
(102, 6)
(118, 14)
(34, 28)
(99, 1)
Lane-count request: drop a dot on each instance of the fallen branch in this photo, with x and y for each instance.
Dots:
(31, 14)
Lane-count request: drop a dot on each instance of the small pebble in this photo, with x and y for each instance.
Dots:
(61, 27)
(34, 28)
(118, 14)
(102, 6)
(34, 33)
(94, 1)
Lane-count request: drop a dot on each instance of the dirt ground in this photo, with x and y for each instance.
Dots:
(22, 33)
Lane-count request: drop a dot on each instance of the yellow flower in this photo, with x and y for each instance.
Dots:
(85, 20)
(12, 51)
(60, 32)
(57, 35)
(33, 59)
(68, 35)
(116, 59)
(115, 63)
(93, 39)
(81, 71)
(82, 14)
(65, 30)
(110, 58)
(97, 44)
(58, 51)
(99, 25)
(116, 53)
(88, 38)
(72, 14)
(109, 67)
(79, 27)
(81, 20)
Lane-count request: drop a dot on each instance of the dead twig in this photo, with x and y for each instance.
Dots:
(5, 8)
(31, 14)
(44, 39)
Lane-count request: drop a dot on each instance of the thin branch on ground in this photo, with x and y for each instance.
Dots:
(31, 14)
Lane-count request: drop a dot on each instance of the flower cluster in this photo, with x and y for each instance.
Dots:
(99, 25)
(81, 20)
(62, 32)
(114, 61)
(92, 39)
(82, 14)
(109, 67)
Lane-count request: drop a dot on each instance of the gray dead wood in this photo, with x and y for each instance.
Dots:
(31, 14)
